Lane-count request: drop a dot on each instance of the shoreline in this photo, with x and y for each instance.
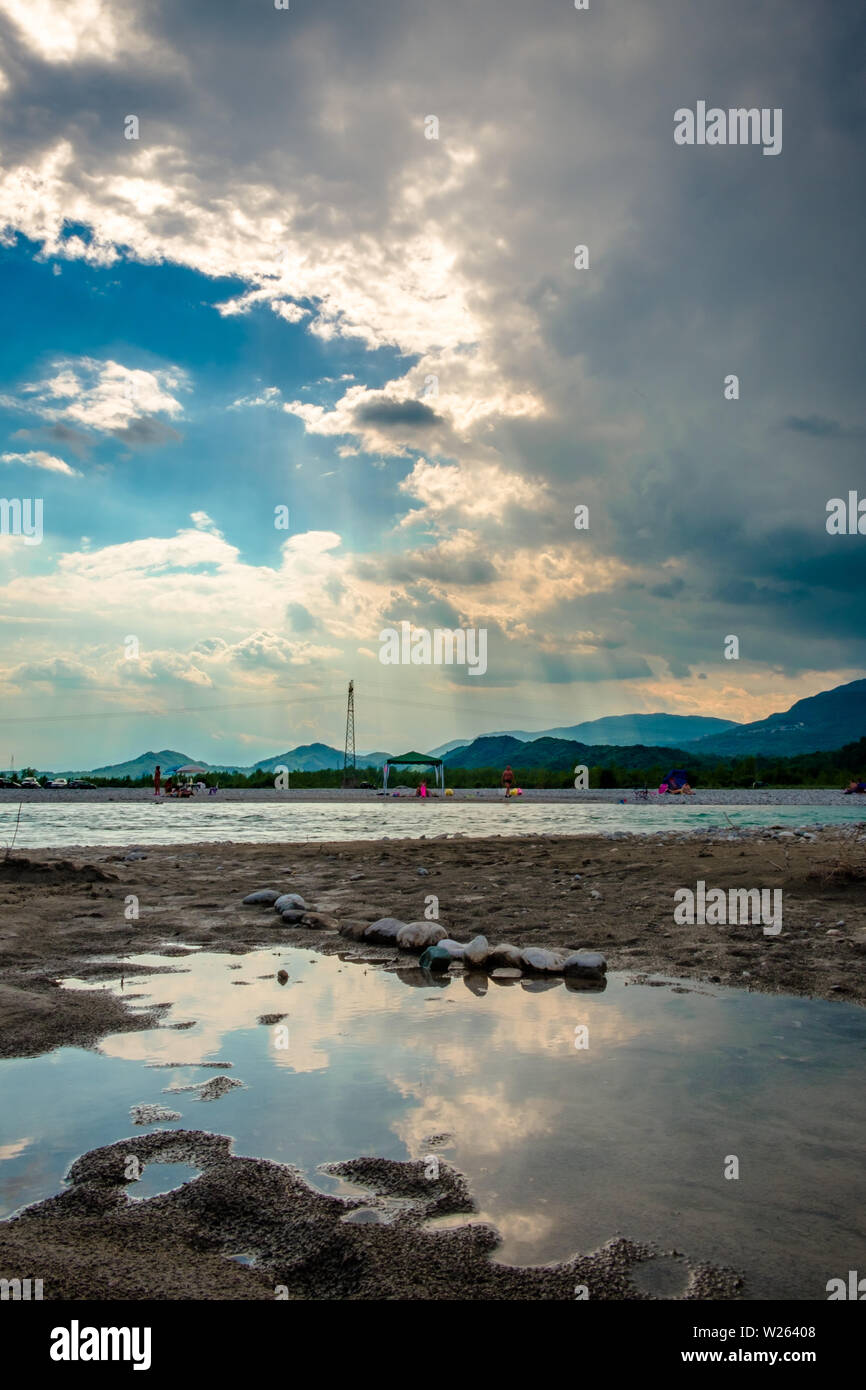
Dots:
(710, 796)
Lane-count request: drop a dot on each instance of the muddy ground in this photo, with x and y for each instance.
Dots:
(56, 913)
(61, 916)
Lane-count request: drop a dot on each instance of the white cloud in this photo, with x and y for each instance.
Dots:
(38, 458)
(483, 491)
(270, 396)
(101, 396)
(62, 33)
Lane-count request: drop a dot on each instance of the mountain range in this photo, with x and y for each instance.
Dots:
(614, 730)
(825, 721)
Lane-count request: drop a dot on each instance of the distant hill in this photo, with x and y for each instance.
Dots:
(496, 751)
(632, 729)
(443, 748)
(829, 720)
(307, 757)
(315, 757)
(167, 760)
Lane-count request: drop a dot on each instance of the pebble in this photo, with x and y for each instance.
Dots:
(477, 951)
(289, 902)
(262, 896)
(587, 965)
(436, 958)
(455, 949)
(354, 930)
(545, 962)
(416, 936)
(504, 957)
(505, 973)
(384, 931)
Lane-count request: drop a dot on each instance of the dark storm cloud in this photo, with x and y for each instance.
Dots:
(385, 414)
(703, 262)
(821, 428)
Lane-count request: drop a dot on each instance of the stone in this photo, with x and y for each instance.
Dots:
(322, 920)
(384, 931)
(436, 959)
(543, 962)
(292, 919)
(416, 936)
(289, 902)
(504, 973)
(423, 872)
(477, 951)
(454, 948)
(587, 965)
(354, 930)
(282, 976)
(263, 897)
(504, 957)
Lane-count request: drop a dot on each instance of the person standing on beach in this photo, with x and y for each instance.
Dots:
(157, 778)
(507, 779)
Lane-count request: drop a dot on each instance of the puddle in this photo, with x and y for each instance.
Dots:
(161, 1177)
(563, 1146)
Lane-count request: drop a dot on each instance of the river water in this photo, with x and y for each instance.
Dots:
(203, 821)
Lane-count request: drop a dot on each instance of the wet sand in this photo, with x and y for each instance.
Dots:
(59, 913)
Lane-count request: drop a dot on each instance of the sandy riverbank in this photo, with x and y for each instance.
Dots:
(58, 912)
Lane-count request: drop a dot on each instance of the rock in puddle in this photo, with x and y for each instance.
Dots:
(544, 962)
(587, 965)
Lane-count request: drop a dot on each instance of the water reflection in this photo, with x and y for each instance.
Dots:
(564, 1144)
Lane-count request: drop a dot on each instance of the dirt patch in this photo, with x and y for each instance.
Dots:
(93, 1242)
(40, 1016)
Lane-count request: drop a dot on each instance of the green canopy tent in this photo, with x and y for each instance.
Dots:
(416, 760)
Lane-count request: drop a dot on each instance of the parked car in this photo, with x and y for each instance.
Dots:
(57, 782)
(78, 786)
(9, 782)
(31, 782)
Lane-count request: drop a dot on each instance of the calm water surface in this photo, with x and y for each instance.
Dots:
(562, 1147)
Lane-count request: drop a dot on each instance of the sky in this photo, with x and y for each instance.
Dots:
(301, 353)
